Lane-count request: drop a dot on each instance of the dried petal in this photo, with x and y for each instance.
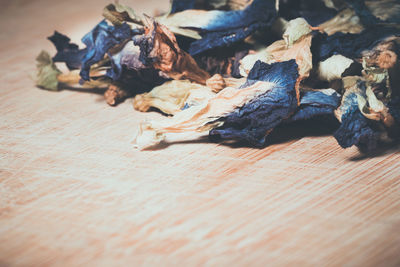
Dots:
(333, 67)
(158, 48)
(66, 51)
(316, 103)
(253, 121)
(172, 96)
(47, 72)
(265, 81)
(98, 41)
(345, 21)
(223, 28)
(117, 14)
(349, 45)
(295, 30)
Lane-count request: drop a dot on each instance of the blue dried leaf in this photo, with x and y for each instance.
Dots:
(314, 12)
(316, 103)
(219, 39)
(181, 5)
(355, 129)
(232, 26)
(347, 44)
(67, 52)
(256, 119)
(362, 11)
(99, 41)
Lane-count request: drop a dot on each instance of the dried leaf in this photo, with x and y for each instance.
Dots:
(67, 52)
(295, 30)
(253, 121)
(159, 49)
(172, 96)
(350, 45)
(345, 21)
(223, 28)
(316, 103)
(181, 5)
(313, 11)
(279, 51)
(98, 42)
(216, 83)
(117, 14)
(47, 72)
(333, 67)
(355, 129)
(264, 81)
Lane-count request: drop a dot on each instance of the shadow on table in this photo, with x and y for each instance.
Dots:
(383, 149)
(97, 91)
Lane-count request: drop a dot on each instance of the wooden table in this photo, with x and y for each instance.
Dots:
(73, 190)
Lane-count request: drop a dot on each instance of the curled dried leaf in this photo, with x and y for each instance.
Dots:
(159, 48)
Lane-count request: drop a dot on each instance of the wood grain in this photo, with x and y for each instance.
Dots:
(74, 192)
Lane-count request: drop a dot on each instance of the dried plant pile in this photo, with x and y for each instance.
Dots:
(237, 69)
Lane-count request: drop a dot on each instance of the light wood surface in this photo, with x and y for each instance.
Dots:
(73, 191)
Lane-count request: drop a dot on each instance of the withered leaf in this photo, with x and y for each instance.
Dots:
(47, 72)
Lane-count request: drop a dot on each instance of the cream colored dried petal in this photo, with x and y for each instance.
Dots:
(247, 63)
(216, 83)
(171, 96)
(300, 51)
(384, 9)
(332, 68)
(295, 30)
(201, 117)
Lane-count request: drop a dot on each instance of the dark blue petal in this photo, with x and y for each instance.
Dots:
(362, 11)
(99, 41)
(314, 12)
(181, 5)
(355, 129)
(66, 51)
(253, 121)
(316, 103)
(233, 26)
(347, 44)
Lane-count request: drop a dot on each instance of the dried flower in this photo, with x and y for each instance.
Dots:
(239, 68)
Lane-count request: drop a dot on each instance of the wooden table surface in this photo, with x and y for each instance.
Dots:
(74, 191)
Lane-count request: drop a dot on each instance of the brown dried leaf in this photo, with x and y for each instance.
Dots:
(169, 58)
